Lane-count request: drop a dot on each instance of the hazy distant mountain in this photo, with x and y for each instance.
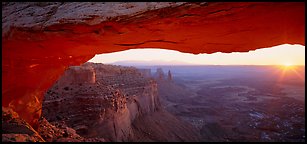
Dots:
(148, 63)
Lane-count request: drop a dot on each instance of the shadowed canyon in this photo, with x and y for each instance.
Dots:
(50, 93)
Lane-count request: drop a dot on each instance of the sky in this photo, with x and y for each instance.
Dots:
(285, 54)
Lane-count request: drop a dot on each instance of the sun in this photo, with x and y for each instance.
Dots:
(287, 69)
(287, 64)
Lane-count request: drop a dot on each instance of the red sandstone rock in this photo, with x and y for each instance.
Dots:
(60, 132)
(104, 108)
(113, 107)
(77, 74)
(15, 129)
(40, 40)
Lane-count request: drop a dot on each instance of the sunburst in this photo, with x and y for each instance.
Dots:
(288, 68)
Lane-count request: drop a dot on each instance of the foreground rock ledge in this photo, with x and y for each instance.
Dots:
(40, 40)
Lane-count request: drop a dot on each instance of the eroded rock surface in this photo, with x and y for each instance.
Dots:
(15, 129)
(60, 132)
(113, 107)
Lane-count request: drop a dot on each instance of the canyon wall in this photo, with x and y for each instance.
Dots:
(41, 40)
(76, 74)
(107, 107)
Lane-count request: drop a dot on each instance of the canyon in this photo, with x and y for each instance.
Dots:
(97, 102)
(41, 40)
(237, 103)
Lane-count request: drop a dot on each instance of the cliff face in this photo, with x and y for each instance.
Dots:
(169, 91)
(108, 107)
(78, 75)
(41, 40)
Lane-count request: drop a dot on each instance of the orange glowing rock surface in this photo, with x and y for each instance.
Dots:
(38, 44)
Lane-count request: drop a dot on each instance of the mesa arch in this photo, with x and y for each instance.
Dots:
(40, 40)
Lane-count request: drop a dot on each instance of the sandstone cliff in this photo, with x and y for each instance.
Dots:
(115, 107)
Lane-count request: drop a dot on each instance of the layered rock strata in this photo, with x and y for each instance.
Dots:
(108, 107)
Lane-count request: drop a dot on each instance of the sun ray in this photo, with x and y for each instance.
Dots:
(288, 69)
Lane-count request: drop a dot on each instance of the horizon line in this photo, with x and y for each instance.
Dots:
(204, 64)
